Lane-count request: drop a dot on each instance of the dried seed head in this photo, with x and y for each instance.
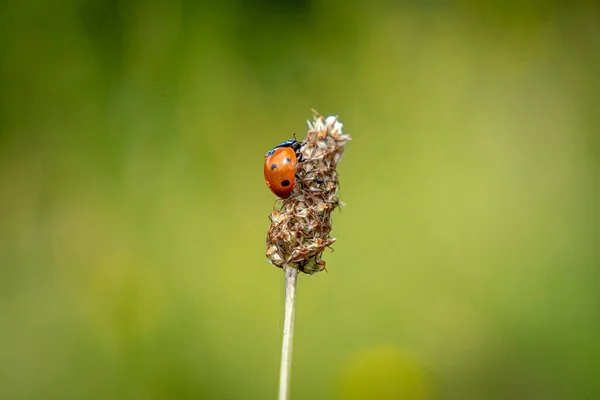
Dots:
(300, 226)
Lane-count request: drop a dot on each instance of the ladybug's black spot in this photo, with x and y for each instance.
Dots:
(273, 166)
(285, 183)
(287, 160)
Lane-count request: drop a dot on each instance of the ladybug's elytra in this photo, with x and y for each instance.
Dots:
(280, 167)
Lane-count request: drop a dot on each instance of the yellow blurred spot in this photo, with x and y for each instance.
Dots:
(382, 373)
(124, 298)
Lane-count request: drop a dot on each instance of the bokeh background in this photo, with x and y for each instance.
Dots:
(133, 210)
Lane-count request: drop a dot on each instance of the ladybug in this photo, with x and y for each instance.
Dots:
(280, 167)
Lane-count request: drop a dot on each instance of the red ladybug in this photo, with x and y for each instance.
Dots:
(280, 168)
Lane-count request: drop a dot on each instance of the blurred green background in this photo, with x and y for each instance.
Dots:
(134, 211)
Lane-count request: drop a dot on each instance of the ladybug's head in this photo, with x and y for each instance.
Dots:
(294, 143)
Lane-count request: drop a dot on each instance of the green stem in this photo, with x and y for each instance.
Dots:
(291, 277)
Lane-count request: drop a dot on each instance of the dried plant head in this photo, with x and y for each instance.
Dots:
(301, 224)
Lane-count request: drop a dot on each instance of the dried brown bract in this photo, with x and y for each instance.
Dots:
(301, 225)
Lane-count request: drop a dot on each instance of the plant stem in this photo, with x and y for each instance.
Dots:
(291, 277)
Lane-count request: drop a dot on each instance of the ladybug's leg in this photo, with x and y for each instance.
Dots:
(299, 180)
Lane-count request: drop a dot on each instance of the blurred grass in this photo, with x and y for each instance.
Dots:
(134, 211)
